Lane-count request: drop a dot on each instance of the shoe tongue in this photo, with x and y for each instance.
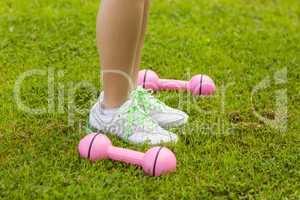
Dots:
(143, 90)
(140, 88)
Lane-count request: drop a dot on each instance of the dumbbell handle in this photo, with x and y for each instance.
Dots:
(125, 155)
(172, 84)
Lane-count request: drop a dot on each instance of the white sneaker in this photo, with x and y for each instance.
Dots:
(164, 115)
(130, 123)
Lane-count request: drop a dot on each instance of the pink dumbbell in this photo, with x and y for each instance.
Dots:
(155, 162)
(198, 85)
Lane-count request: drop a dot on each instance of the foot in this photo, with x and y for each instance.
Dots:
(164, 115)
(131, 123)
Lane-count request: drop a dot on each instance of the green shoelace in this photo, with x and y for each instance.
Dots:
(138, 96)
(146, 99)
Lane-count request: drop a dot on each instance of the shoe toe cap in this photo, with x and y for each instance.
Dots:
(171, 119)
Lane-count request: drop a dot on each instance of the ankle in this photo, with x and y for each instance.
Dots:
(107, 110)
(112, 103)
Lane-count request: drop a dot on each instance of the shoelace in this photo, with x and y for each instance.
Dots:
(145, 98)
(137, 114)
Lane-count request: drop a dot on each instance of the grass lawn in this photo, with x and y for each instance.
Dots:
(224, 152)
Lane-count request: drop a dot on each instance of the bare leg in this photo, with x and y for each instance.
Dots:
(119, 25)
(141, 42)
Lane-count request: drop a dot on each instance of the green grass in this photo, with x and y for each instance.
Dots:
(223, 152)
